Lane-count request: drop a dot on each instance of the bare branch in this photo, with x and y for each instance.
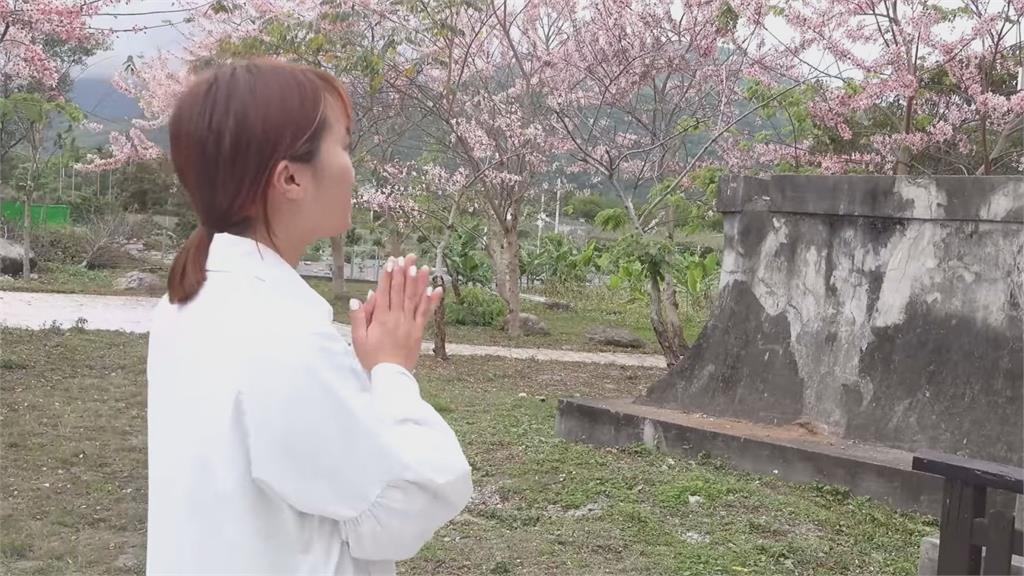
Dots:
(651, 206)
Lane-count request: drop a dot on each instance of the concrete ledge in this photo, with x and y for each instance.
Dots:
(928, 564)
(788, 452)
(948, 198)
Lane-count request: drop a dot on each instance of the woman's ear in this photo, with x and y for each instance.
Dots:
(288, 180)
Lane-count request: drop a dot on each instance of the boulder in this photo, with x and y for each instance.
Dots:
(139, 281)
(531, 325)
(617, 337)
(11, 255)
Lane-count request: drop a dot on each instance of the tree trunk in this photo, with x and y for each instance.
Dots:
(338, 267)
(26, 236)
(456, 286)
(495, 248)
(668, 339)
(510, 255)
(26, 217)
(1004, 140)
(904, 156)
(395, 243)
(670, 315)
(986, 166)
(440, 337)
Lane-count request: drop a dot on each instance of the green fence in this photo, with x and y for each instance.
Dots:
(46, 214)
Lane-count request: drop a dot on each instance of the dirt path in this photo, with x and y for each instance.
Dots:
(36, 310)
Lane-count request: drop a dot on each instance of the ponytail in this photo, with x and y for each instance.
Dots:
(188, 272)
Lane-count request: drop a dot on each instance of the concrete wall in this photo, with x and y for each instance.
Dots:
(874, 308)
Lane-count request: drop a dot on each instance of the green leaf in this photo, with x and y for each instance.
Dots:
(315, 43)
(852, 87)
(727, 17)
(711, 263)
(688, 125)
(221, 7)
(611, 219)
(693, 278)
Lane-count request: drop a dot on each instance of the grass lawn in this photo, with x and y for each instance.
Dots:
(65, 279)
(597, 307)
(74, 480)
(593, 308)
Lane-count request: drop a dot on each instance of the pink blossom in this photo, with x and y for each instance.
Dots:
(32, 23)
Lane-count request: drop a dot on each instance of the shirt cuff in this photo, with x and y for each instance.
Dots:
(395, 391)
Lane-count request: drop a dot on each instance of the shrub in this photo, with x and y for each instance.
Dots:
(103, 233)
(144, 228)
(318, 251)
(85, 207)
(59, 244)
(475, 306)
(587, 207)
(184, 227)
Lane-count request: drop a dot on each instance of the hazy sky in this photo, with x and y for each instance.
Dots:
(105, 64)
(163, 37)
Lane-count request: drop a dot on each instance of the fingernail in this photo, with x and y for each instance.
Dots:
(410, 255)
(429, 290)
(412, 271)
(390, 265)
(353, 304)
(425, 269)
(369, 294)
(439, 291)
(401, 261)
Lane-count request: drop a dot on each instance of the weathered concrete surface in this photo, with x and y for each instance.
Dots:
(881, 309)
(790, 452)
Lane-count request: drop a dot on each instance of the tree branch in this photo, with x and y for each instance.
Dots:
(653, 205)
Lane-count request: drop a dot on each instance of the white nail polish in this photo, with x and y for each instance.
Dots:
(354, 304)
(412, 271)
(369, 293)
(390, 265)
(429, 290)
(401, 261)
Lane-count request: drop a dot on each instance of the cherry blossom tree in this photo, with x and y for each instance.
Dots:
(41, 42)
(644, 94)
(479, 73)
(36, 116)
(911, 86)
(323, 34)
(41, 39)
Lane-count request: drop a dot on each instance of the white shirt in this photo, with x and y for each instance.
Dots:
(271, 450)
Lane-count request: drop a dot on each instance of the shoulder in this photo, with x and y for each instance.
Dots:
(247, 319)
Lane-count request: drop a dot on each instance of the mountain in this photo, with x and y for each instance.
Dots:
(102, 102)
(111, 109)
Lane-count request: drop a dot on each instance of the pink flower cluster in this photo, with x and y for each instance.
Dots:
(30, 24)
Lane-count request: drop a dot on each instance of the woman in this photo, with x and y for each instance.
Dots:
(274, 446)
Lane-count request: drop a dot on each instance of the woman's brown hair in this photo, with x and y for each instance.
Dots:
(229, 130)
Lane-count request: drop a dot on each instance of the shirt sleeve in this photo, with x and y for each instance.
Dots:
(381, 461)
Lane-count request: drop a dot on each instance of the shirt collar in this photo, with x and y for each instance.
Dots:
(240, 255)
